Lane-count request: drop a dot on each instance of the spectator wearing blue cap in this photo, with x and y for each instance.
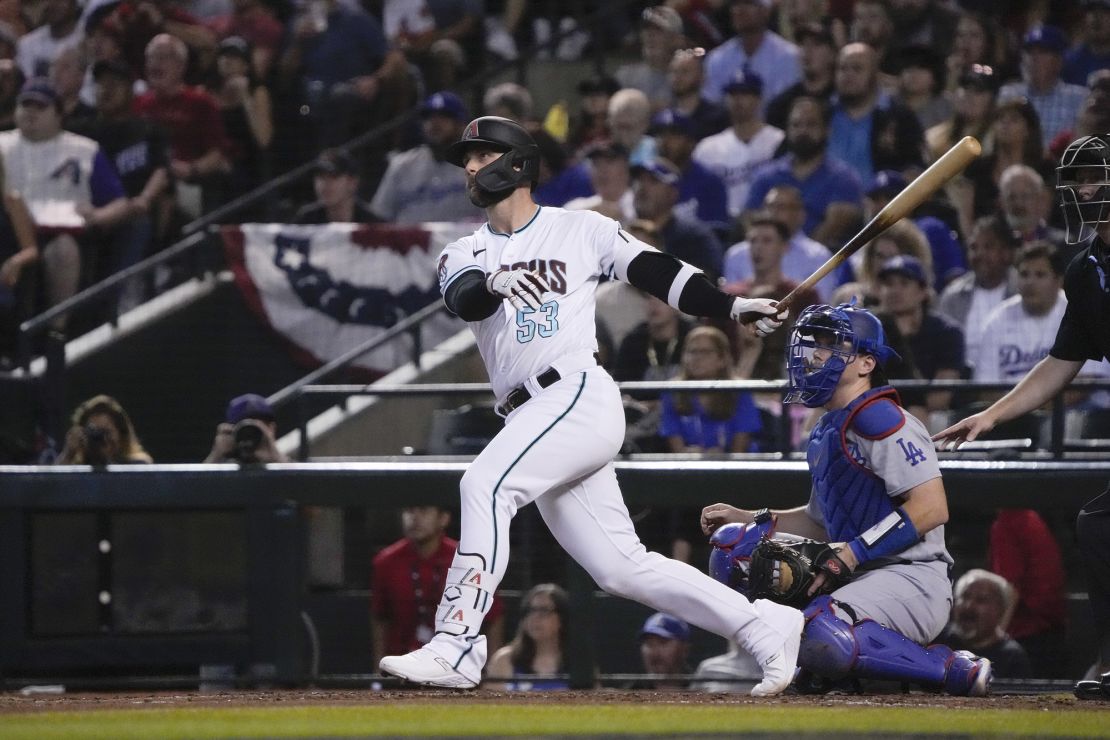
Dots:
(701, 192)
(736, 152)
(870, 130)
(754, 47)
(655, 188)
(937, 344)
(665, 649)
(1056, 102)
(419, 184)
(818, 60)
(248, 433)
(686, 75)
(1092, 53)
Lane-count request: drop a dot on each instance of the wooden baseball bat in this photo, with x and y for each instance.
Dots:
(917, 192)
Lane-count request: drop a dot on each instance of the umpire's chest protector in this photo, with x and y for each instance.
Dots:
(851, 497)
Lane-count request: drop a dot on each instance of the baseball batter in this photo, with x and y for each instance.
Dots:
(877, 495)
(525, 281)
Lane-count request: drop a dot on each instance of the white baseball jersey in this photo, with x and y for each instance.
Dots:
(572, 250)
(734, 161)
(53, 176)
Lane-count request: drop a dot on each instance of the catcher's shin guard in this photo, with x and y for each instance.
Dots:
(833, 648)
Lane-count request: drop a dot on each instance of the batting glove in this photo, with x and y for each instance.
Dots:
(770, 320)
(521, 287)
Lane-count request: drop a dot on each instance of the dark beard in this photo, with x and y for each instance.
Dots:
(485, 198)
(806, 149)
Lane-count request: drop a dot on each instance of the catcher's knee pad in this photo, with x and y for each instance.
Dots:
(835, 648)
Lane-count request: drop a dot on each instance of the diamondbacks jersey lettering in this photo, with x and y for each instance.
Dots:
(572, 249)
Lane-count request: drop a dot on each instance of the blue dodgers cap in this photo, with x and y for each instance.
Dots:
(661, 169)
(1046, 37)
(904, 264)
(887, 181)
(745, 81)
(249, 406)
(445, 103)
(40, 90)
(671, 119)
(666, 626)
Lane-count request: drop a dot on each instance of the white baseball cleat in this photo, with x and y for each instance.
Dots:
(779, 668)
(425, 667)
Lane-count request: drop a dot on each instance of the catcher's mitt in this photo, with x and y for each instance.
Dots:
(784, 572)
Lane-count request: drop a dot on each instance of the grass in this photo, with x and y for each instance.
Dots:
(431, 719)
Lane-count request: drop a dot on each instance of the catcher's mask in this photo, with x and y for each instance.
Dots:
(1083, 182)
(733, 544)
(520, 162)
(823, 342)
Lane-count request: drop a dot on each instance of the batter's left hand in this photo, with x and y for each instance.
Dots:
(770, 317)
(521, 287)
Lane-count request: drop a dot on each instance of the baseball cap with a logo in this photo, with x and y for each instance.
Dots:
(445, 103)
(661, 169)
(905, 265)
(1049, 38)
(665, 626)
(745, 81)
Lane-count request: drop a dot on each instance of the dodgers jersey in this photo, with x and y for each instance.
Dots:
(572, 250)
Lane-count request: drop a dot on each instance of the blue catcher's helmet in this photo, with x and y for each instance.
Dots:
(844, 332)
(730, 560)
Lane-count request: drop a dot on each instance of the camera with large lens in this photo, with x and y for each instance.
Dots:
(96, 445)
(248, 437)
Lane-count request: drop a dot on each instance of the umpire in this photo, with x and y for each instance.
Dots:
(1083, 183)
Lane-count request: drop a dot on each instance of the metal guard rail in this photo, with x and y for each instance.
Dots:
(306, 388)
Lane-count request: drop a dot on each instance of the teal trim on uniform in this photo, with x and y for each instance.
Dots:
(522, 228)
(494, 231)
(493, 498)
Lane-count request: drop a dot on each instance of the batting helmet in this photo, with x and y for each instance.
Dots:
(1083, 182)
(503, 135)
(842, 333)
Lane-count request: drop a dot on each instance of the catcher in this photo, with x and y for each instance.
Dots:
(865, 559)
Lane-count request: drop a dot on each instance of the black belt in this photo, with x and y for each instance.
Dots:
(520, 395)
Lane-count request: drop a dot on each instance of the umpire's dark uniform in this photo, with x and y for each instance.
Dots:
(1084, 333)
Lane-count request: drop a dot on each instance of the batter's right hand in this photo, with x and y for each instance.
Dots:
(760, 315)
(521, 287)
(967, 430)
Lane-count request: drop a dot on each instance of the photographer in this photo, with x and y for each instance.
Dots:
(101, 433)
(247, 434)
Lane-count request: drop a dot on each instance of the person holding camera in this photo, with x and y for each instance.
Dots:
(248, 433)
(101, 433)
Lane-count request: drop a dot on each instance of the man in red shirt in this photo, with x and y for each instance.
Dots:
(189, 115)
(408, 578)
(1024, 552)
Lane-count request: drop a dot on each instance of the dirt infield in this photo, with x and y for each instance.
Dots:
(12, 703)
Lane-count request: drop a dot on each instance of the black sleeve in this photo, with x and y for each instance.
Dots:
(656, 272)
(468, 298)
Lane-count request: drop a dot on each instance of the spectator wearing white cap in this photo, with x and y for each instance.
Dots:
(661, 35)
(753, 47)
(735, 153)
(419, 184)
(1056, 102)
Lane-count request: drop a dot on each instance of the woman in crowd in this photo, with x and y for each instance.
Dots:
(708, 421)
(860, 278)
(539, 649)
(101, 433)
(247, 113)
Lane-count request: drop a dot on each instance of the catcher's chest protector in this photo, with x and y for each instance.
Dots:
(852, 499)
